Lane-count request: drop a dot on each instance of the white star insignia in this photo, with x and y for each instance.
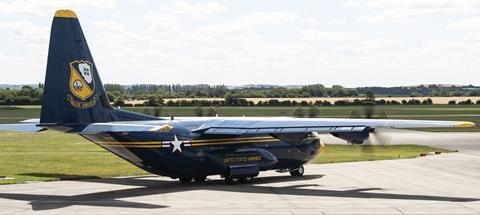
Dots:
(176, 144)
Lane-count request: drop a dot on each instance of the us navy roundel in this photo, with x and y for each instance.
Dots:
(81, 84)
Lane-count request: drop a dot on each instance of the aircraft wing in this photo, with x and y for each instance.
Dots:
(272, 125)
(321, 125)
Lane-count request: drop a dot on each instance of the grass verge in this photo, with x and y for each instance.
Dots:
(352, 153)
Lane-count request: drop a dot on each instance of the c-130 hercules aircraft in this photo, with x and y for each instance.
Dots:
(188, 148)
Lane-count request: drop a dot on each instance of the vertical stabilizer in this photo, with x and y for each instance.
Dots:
(73, 92)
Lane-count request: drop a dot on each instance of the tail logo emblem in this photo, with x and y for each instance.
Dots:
(82, 84)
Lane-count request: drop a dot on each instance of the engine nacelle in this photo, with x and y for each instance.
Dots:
(354, 137)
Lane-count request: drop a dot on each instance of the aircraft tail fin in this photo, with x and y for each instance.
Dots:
(73, 91)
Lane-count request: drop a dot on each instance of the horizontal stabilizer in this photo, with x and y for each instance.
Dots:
(96, 128)
(20, 127)
(36, 121)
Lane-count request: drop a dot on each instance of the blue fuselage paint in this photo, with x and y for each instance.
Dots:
(203, 154)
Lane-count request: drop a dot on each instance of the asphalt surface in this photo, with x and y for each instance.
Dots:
(436, 184)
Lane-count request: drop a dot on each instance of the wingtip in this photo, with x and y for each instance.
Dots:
(465, 124)
(65, 14)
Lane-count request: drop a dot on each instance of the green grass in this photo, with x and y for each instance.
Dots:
(49, 155)
(351, 153)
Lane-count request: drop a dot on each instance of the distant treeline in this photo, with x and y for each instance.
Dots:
(423, 90)
(153, 93)
(143, 92)
(231, 101)
(27, 95)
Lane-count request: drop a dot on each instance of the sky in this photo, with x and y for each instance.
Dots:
(346, 42)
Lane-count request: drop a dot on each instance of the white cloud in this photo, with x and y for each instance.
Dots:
(405, 10)
(168, 19)
(187, 9)
(44, 8)
(315, 35)
(466, 24)
(163, 22)
(470, 27)
(109, 26)
(247, 23)
(221, 42)
(250, 21)
(195, 10)
(336, 22)
(26, 32)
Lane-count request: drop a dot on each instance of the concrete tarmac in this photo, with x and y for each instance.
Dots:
(436, 184)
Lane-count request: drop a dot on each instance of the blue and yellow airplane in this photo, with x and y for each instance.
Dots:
(189, 148)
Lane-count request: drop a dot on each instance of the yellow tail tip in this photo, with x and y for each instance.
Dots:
(465, 124)
(65, 14)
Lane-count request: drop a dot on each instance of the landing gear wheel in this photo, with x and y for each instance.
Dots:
(297, 171)
(200, 178)
(246, 180)
(232, 180)
(185, 179)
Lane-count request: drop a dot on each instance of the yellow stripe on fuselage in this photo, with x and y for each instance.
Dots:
(130, 143)
(223, 140)
(135, 146)
(158, 144)
(236, 142)
(230, 139)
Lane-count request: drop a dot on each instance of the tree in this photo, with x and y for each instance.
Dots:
(230, 99)
(119, 102)
(316, 90)
(427, 101)
(153, 101)
(370, 95)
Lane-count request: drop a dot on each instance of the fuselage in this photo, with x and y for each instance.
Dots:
(180, 151)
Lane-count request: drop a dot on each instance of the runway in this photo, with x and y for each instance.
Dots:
(437, 184)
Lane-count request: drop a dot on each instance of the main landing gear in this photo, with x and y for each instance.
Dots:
(298, 171)
(238, 180)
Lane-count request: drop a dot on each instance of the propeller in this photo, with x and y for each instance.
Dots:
(316, 136)
(307, 110)
(376, 136)
(368, 111)
(200, 110)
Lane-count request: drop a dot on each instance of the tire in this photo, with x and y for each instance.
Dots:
(246, 180)
(297, 171)
(185, 179)
(200, 178)
(232, 180)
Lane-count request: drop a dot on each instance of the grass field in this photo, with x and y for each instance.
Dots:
(50, 156)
